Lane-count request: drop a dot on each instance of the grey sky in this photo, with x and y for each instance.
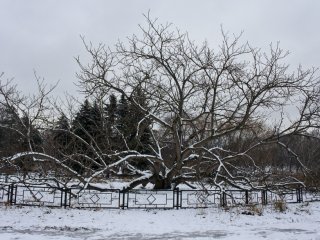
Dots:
(43, 35)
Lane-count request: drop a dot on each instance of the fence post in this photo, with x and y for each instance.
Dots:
(11, 194)
(264, 197)
(247, 197)
(123, 196)
(223, 199)
(178, 198)
(299, 193)
(66, 191)
(61, 196)
(65, 198)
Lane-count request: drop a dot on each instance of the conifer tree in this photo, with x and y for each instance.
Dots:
(111, 119)
(112, 111)
(82, 121)
(61, 135)
(9, 139)
(122, 123)
(32, 140)
(141, 140)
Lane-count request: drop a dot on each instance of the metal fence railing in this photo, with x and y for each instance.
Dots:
(35, 195)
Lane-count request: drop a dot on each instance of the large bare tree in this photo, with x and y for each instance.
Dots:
(198, 98)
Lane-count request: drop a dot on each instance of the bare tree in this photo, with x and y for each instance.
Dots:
(32, 115)
(198, 98)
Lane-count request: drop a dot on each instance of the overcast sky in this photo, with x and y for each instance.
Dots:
(43, 35)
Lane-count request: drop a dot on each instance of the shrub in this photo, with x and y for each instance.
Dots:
(280, 205)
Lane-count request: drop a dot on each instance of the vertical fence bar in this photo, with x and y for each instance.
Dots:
(13, 192)
(301, 194)
(61, 197)
(10, 190)
(224, 199)
(123, 197)
(70, 193)
(119, 199)
(177, 198)
(264, 197)
(9, 195)
(247, 197)
(66, 197)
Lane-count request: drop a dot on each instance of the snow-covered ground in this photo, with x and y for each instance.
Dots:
(300, 221)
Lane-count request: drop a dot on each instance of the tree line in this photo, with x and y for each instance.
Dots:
(110, 125)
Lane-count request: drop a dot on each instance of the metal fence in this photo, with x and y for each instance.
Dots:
(29, 195)
(88, 198)
(149, 199)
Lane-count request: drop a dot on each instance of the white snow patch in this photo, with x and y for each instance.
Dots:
(300, 221)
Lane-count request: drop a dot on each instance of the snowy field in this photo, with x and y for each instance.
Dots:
(300, 221)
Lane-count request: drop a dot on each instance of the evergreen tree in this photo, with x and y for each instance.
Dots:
(123, 115)
(10, 140)
(128, 119)
(81, 127)
(32, 137)
(90, 125)
(18, 135)
(82, 123)
(97, 126)
(144, 140)
(61, 135)
(111, 110)
(111, 119)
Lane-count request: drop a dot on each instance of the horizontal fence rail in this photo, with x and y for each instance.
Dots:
(34, 195)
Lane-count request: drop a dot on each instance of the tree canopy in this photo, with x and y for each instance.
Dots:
(190, 113)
